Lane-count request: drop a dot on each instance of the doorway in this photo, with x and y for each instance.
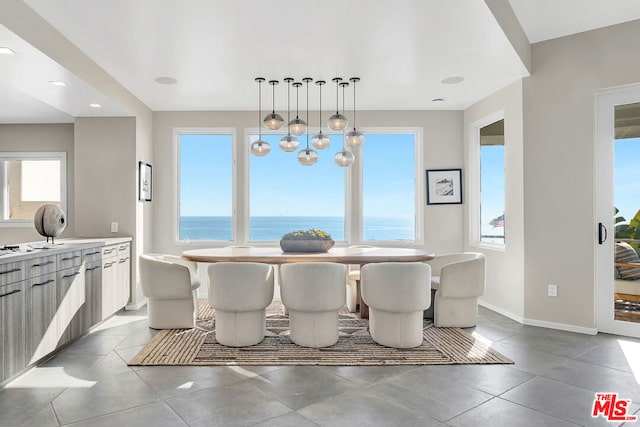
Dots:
(618, 210)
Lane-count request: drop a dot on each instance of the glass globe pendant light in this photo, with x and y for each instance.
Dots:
(273, 121)
(260, 147)
(354, 137)
(297, 126)
(320, 140)
(289, 143)
(307, 156)
(344, 158)
(337, 121)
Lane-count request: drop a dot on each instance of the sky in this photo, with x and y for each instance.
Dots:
(280, 186)
(627, 177)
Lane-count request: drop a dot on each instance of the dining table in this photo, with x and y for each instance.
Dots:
(342, 255)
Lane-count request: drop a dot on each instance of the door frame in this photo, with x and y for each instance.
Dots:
(606, 100)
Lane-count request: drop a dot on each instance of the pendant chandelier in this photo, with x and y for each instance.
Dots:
(344, 158)
(307, 156)
(337, 121)
(354, 137)
(298, 126)
(260, 147)
(273, 121)
(289, 143)
(320, 140)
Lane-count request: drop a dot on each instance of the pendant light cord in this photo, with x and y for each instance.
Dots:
(354, 104)
(307, 81)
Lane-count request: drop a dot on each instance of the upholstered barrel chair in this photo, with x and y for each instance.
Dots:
(313, 292)
(240, 292)
(397, 293)
(171, 287)
(458, 280)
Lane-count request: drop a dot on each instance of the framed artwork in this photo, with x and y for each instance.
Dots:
(144, 182)
(444, 186)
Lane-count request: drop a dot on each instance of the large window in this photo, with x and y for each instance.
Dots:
(378, 198)
(205, 186)
(287, 196)
(389, 187)
(29, 180)
(492, 191)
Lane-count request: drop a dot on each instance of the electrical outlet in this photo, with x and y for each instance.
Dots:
(114, 227)
(552, 290)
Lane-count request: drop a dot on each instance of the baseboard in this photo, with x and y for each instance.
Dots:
(502, 311)
(540, 323)
(561, 326)
(136, 306)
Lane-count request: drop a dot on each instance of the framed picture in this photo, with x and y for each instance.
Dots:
(444, 186)
(144, 182)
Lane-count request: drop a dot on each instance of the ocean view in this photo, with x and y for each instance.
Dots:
(274, 227)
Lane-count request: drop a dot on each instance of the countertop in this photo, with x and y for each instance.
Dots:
(61, 245)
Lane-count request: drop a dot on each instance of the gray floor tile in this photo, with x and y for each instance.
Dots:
(95, 344)
(566, 346)
(171, 381)
(46, 417)
(429, 394)
(597, 379)
(557, 399)
(492, 379)
(154, 414)
(233, 405)
(608, 356)
(368, 374)
(292, 419)
(109, 395)
(364, 409)
(17, 404)
(530, 361)
(501, 413)
(300, 386)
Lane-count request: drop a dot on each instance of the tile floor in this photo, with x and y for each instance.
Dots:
(552, 384)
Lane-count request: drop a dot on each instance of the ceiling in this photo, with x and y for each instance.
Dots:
(403, 52)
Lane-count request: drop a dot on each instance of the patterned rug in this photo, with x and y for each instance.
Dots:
(355, 347)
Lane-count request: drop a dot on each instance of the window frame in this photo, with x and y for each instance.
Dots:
(29, 155)
(473, 183)
(177, 132)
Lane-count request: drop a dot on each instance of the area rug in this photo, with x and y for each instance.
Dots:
(355, 347)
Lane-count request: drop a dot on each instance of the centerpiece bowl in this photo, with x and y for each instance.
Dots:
(306, 241)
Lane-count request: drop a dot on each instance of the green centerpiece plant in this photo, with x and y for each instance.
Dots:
(306, 241)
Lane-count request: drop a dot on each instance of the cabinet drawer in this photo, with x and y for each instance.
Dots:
(109, 251)
(11, 272)
(69, 259)
(124, 249)
(38, 266)
(48, 280)
(91, 255)
(7, 290)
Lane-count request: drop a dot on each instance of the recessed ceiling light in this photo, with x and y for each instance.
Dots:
(95, 105)
(437, 100)
(452, 80)
(165, 80)
(57, 83)
(6, 51)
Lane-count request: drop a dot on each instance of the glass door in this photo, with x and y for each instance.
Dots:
(618, 211)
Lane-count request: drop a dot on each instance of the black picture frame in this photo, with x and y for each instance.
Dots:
(145, 182)
(444, 186)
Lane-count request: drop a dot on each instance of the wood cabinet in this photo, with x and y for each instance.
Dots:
(51, 297)
(40, 308)
(12, 332)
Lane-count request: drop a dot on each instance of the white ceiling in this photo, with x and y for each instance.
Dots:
(401, 50)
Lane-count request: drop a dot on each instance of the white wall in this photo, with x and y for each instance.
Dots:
(40, 137)
(442, 134)
(559, 109)
(505, 268)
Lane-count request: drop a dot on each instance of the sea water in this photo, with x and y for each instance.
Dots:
(274, 227)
